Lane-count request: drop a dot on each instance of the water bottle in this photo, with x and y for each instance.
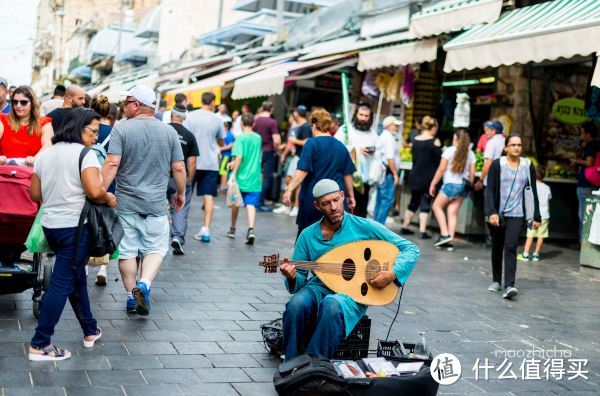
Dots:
(421, 347)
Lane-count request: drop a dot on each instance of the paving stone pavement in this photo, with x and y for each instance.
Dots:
(202, 336)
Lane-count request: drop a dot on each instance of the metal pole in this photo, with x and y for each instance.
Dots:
(280, 9)
(220, 21)
(120, 27)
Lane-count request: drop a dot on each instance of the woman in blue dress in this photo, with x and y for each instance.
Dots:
(323, 157)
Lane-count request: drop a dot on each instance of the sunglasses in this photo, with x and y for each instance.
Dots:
(23, 102)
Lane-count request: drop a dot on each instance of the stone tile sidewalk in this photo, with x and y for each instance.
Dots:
(202, 336)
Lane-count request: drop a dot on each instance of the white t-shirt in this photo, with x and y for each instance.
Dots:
(456, 178)
(360, 140)
(387, 148)
(493, 149)
(544, 197)
(62, 190)
(50, 104)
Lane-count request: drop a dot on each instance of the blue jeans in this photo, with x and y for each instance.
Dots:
(300, 328)
(582, 192)
(269, 166)
(179, 220)
(65, 283)
(385, 199)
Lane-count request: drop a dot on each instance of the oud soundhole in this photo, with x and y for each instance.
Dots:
(373, 267)
(364, 289)
(348, 269)
(367, 254)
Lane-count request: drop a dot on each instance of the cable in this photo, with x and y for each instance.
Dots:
(395, 316)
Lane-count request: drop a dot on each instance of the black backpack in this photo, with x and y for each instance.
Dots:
(104, 227)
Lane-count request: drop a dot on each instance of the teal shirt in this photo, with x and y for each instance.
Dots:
(311, 245)
(248, 145)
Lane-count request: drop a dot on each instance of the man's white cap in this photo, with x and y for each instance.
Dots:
(391, 120)
(142, 94)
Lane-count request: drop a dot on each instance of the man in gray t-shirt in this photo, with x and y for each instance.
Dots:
(209, 131)
(142, 153)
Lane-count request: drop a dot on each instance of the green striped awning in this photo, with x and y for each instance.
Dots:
(546, 31)
(451, 15)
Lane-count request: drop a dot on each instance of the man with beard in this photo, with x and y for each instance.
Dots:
(361, 140)
(313, 305)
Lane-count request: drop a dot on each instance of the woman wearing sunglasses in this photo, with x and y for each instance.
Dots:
(23, 132)
(505, 207)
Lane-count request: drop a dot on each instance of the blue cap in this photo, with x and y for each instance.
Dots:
(496, 125)
(301, 108)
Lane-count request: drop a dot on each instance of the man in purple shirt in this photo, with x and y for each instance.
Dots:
(266, 127)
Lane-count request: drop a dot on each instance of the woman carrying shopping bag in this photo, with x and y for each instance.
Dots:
(59, 182)
(510, 202)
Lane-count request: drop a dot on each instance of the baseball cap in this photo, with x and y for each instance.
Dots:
(226, 118)
(496, 125)
(142, 94)
(391, 120)
(4, 82)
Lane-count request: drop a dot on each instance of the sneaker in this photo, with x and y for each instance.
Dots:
(406, 231)
(282, 210)
(494, 287)
(177, 247)
(90, 343)
(510, 292)
(250, 237)
(448, 246)
(424, 235)
(442, 240)
(141, 294)
(205, 238)
(231, 233)
(101, 276)
(294, 212)
(523, 257)
(130, 305)
(535, 257)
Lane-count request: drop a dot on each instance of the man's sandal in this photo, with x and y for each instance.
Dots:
(49, 353)
(90, 343)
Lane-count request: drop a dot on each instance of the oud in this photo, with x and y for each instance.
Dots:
(348, 269)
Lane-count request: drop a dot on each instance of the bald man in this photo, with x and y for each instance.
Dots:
(74, 97)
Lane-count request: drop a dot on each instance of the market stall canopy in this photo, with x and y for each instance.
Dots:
(81, 72)
(137, 56)
(271, 81)
(149, 26)
(300, 6)
(245, 30)
(97, 90)
(404, 54)
(596, 77)
(546, 31)
(107, 42)
(218, 80)
(450, 15)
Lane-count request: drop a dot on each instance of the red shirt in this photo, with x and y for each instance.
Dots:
(19, 144)
(266, 127)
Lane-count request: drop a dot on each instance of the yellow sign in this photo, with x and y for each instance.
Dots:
(570, 111)
(195, 97)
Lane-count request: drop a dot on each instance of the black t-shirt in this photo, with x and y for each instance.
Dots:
(426, 158)
(58, 117)
(303, 131)
(189, 146)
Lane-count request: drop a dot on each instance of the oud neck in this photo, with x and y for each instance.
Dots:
(309, 265)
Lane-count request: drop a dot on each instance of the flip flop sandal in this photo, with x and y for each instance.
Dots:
(58, 354)
(90, 343)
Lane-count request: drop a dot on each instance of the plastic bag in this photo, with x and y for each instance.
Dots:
(594, 236)
(36, 240)
(234, 196)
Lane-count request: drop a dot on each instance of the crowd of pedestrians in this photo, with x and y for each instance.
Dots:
(147, 158)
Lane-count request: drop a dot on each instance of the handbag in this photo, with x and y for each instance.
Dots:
(528, 195)
(592, 173)
(104, 227)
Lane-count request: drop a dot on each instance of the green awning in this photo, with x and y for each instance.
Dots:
(547, 31)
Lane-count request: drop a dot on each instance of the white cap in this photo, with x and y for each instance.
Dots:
(226, 118)
(391, 120)
(142, 94)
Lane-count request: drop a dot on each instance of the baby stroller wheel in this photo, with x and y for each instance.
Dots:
(48, 267)
(37, 306)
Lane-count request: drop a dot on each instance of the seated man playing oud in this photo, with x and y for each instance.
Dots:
(313, 305)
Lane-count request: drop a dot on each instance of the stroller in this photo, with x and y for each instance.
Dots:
(17, 214)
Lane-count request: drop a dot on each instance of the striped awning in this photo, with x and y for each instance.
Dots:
(546, 31)
(450, 15)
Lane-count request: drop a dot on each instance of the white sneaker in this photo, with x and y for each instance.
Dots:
(294, 212)
(282, 210)
(101, 276)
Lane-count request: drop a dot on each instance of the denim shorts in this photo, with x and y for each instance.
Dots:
(455, 190)
(144, 234)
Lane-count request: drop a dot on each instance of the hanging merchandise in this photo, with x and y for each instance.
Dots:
(369, 88)
(595, 227)
(407, 91)
(389, 82)
(462, 112)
